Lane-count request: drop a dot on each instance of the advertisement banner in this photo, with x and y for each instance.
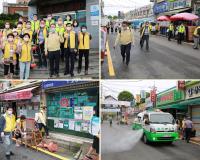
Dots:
(87, 113)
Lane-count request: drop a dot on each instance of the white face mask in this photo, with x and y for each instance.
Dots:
(10, 112)
(26, 39)
(84, 30)
(10, 39)
(7, 26)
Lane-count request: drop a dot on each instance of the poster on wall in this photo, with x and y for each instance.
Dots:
(85, 127)
(87, 113)
(56, 123)
(23, 112)
(78, 115)
(78, 126)
(66, 124)
(95, 126)
(71, 124)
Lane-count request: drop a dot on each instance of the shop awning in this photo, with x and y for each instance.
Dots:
(35, 2)
(175, 11)
(194, 101)
(173, 106)
(18, 95)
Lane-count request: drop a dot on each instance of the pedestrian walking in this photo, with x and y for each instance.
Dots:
(110, 121)
(146, 29)
(84, 38)
(41, 38)
(9, 56)
(41, 121)
(20, 130)
(70, 48)
(52, 49)
(26, 57)
(7, 126)
(181, 33)
(183, 128)
(196, 37)
(125, 39)
(103, 41)
(188, 129)
(170, 31)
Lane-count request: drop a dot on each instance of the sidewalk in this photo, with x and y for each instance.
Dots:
(195, 140)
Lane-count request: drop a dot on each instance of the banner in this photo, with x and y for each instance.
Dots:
(87, 113)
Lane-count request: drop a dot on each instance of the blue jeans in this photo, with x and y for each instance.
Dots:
(7, 142)
(24, 70)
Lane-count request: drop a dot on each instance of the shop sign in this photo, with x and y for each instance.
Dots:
(87, 113)
(64, 102)
(181, 85)
(178, 4)
(16, 95)
(153, 95)
(94, 12)
(161, 7)
(53, 84)
(170, 97)
(193, 91)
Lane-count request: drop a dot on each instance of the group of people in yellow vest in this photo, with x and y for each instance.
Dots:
(48, 39)
(180, 31)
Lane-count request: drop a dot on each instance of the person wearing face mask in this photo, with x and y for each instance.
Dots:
(17, 41)
(9, 56)
(21, 20)
(60, 29)
(26, 57)
(52, 50)
(76, 29)
(125, 38)
(28, 30)
(68, 20)
(41, 37)
(6, 31)
(70, 47)
(19, 28)
(84, 38)
(35, 25)
(7, 126)
(146, 30)
(41, 121)
(49, 20)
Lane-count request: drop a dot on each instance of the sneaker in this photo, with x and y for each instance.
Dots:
(8, 157)
(11, 153)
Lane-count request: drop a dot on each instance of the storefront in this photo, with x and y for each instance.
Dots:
(24, 100)
(169, 101)
(192, 101)
(71, 105)
(85, 11)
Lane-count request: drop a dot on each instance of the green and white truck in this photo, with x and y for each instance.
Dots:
(157, 126)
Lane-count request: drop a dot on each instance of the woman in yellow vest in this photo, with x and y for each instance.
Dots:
(28, 30)
(8, 124)
(196, 37)
(9, 56)
(25, 57)
(41, 37)
(19, 28)
(20, 129)
(6, 31)
(68, 20)
(70, 48)
(17, 41)
(84, 48)
(181, 33)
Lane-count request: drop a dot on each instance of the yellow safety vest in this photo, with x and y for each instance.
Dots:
(181, 29)
(59, 29)
(84, 43)
(195, 31)
(72, 39)
(35, 25)
(48, 23)
(25, 55)
(171, 27)
(7, 49)
(66, 22)
(44, 34)
(10, 123)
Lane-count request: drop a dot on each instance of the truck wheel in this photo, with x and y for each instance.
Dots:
(145, 139)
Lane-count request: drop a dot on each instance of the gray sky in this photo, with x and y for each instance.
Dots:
(9, 1)
(134, 86)
(113, 6)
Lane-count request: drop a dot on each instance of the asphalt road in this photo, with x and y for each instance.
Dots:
(22, 153)
(164, 60)
(119, 144)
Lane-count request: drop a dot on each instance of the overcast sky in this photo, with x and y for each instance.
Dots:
(9, 1)
(113, 6)
(134, 86)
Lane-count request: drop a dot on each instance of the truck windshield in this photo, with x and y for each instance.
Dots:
(161, 118)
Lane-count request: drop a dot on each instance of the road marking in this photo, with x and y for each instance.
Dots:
(110, 64)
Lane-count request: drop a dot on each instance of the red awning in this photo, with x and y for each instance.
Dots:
(18, 95)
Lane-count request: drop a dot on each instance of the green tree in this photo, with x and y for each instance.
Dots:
(125, 96)
(115, 17)
(110, 17)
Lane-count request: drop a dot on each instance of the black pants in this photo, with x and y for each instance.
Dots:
(41, 55)
(85, 53)
(180, 38)
(125, 52)
(169, 35)
(188, 132)
(69, 60)
(145, 38)
(62, 51)
(95, 144)
(7, 68)
(17, 64)
(41, 125)
(54, 59)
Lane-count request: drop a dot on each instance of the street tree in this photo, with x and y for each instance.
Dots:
(125, 96)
